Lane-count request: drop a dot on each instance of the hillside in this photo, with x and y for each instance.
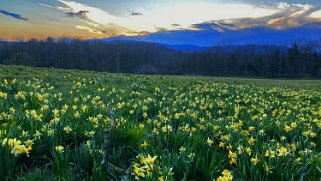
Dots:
(60, 124)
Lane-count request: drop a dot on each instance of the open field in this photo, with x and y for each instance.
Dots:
(57, 124)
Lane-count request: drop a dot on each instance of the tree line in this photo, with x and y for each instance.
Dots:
(300, 59)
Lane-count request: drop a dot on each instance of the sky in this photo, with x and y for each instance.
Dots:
(197, 22)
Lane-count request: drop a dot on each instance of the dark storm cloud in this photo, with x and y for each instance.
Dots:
(83, 14)
(13, 15)
(135, 13)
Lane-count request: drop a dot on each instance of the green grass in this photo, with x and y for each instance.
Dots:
(167, 127)
(28, 72)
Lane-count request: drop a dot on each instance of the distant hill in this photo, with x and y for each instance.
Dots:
(258, 49)
(186, 48)
(211, 37)
(173, 47)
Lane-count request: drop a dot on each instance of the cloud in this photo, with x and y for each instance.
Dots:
(101, 18)
(288, 16)
(13, 15)
(293, 15)
(91, 30)
(215, 25)
(68, 11)
(188, 14)
(316, 14)
(283, 5)
(194, 16)
(135, 13)
(56, 7)
(45, 5)
(166, 18)
(81, 14)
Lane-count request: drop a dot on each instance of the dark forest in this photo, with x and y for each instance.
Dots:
(298, 60)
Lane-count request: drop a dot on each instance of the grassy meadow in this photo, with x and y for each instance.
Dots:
(82, 125)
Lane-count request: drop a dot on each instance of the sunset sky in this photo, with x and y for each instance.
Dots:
(150, 20)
